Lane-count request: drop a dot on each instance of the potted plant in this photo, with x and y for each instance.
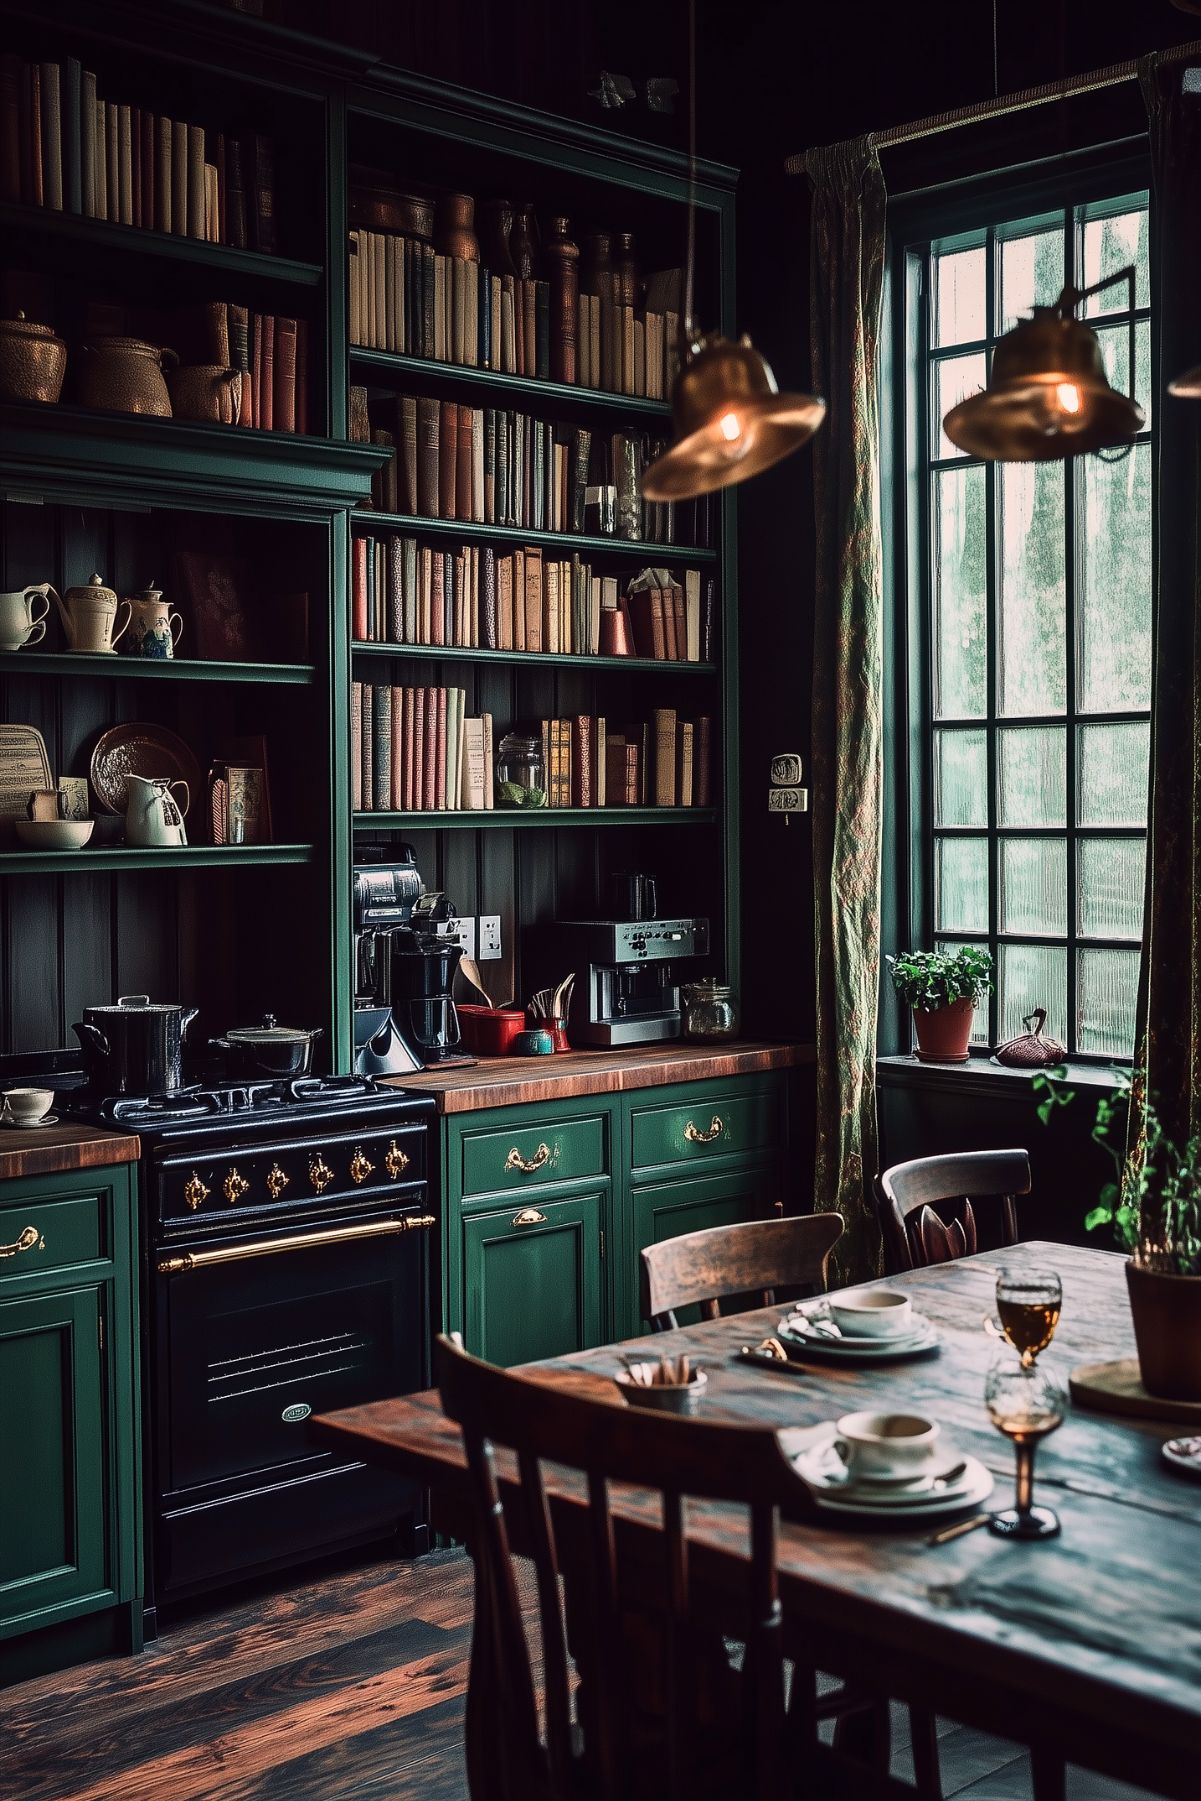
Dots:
(942, 987)
(1153, 1207)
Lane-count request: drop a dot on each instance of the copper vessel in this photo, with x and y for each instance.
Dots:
(207, 392)
(32, 361)
(456, 228)
(125, 375)
(625, 269)
(379, 205)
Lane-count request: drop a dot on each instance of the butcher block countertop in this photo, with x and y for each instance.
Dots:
(48, 1150)
(517, 1081)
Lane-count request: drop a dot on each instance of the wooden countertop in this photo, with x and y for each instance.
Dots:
(515, 1081)
(48, 1150)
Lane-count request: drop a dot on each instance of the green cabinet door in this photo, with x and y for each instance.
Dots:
(532, 1278)
(693, 1204)
(54, 1500)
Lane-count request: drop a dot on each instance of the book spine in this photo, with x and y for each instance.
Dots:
(284, 408)
(149, 160)
(428, 456)
(52, 136)
(564, 318)
(665, 756)
(368, 758)
(448, 460)
(382, 750)
(582, 793)
(356, 746)
(235, 194)
(396, 772)
(179, 179)
(265, 389)
(439, 800)
(196, 207)
(358, 612)
(72, 134)
(264, 195)
(10, 125)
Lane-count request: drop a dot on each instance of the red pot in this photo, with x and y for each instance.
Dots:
(1166, 1311)
(942, 1036)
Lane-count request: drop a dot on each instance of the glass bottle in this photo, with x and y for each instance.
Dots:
(520, 771)
(710, 1009)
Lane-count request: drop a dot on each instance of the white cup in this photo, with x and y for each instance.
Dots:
(886, 1447)
(871, 1312)
(27, 1105)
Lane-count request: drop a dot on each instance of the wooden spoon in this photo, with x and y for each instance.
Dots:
(471, 971)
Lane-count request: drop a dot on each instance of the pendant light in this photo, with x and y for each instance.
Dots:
(729, 419)
(1188, 385)
(1048, 395)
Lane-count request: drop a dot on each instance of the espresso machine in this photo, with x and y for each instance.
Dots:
(625, 988)
(405, 962)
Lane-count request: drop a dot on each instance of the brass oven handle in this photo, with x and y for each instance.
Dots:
(395, 1160)
(528, 1165)
(234, 1187)
(360, 1166)
(277, 1181)
(717, 1126)
(29, 1239)
(194, 1191)
(301, 1241)
(529, 1216)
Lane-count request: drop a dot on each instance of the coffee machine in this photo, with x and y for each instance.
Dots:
(405, 962)
(625, 988)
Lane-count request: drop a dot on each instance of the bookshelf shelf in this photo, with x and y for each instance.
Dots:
(440, 653)
(176, 669)
(400, 369)
(515, 819)
(120, 858)
(74, 234)
(643, 549)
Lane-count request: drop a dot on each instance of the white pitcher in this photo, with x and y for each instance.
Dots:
(153, 817)
(20, 623)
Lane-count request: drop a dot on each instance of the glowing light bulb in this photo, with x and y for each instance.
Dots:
(730, 428)
(1068, 396)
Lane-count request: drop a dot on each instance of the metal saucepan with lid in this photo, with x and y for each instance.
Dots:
(136, 1046)
(268, 1051)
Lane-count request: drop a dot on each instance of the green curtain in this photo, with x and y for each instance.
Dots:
(1170, 990)
(846, 285)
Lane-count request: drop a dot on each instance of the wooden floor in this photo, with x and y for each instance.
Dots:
(347, 1686)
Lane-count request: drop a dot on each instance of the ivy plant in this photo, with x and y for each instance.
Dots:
(928, 980)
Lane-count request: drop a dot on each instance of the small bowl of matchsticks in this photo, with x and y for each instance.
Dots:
(673, 1385)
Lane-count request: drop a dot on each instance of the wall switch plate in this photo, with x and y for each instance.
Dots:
(490, 938)
(462, 931)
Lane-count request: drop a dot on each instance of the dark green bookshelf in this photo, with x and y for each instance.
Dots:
(120, 858)
(439, 653)
(77, 234)
(641, 548)
(524, 819)
(400, 368)
(172, 669)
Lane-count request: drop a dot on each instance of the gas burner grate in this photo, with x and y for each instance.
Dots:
(238, 1098)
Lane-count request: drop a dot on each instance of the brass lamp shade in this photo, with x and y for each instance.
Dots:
(1188, 385)
(730, 421)
(1048, 397)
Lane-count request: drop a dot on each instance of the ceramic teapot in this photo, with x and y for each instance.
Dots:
(33, 361)
(125, 375)
(154, 629)
(89, 617)
(19, 622)
(153, 817)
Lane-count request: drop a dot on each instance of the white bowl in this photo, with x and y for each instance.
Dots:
(54, 834)
(872, 1313)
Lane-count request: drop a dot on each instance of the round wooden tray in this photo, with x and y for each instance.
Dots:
(1116, 1388)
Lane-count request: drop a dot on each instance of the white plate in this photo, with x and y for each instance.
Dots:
(832, 1494)
(32, 1125)
(816, 1313)
(1181, 1460)
(920, 1339)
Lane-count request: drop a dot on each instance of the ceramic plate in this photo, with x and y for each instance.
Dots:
(20, 1125)
(818, 1469)
(922, 1343)
(146, 750)
(796, 1322)
(1181, 1458)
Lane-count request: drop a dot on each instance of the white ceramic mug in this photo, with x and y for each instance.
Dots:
(871, 1312)
(27, 1105)
(886, 1447)
(19, 622)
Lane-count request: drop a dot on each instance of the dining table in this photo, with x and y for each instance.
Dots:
(1086, 1645)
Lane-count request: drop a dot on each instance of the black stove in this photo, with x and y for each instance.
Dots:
(305, 1097)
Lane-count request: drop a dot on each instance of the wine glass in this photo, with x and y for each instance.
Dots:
(1025, 1402)
(1029, 1302)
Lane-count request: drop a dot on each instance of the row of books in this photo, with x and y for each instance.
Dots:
(494, 466)
(403, 592)
(417, 750)
(407, 298)
(271, 352)
(64, 147)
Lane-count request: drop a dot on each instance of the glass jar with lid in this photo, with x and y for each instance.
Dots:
(710, 1010)
(520, 771)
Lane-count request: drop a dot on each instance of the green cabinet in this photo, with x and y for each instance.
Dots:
(532, 1278)
(69, 1503)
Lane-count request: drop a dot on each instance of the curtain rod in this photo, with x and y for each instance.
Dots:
(1024, 98)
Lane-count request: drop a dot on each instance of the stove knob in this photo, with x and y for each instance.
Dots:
(194, 1191)
(320, 1173)
(277, 1181)
(396, 1161)
(234, 1187)
(360, 1166)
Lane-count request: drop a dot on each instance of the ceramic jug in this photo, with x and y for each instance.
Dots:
(89, 617)
(153, 817)
(125, 375)
(154, 629)
(20, 623)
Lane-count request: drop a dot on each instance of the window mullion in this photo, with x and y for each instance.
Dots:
(1072, 252)
(992, 611)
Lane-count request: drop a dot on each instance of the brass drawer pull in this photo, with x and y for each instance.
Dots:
(527, 1165)
(529, 1216)
(320, 1173)
(277, 1181)
(30, 1239)
(395, 1160)
(360, 1166)
(194, 1191)
(234, 1187)
(300, 1241)
(717, 1126)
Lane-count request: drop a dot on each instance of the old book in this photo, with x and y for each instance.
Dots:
(356, 746)
(213, 589)
(406, 409)
(368, 759)
(196, 181)
(429, 454)
(438, 599)
(692, 615)
(358, 593)
(72, 135)
(542, 330)
(387, 334)
(163, 175)
(302, 380)
(702, 780)
(582, 793)
(149, 161)
(425, 730)
(236, 228)
(529, 313)
(504, 603)
(508, 349)
(179, 178)
(709, 622)
(448, 459)
(125, 165)
(285, 377)
(51, 125)
(646, 618)
(396, 769)
(551, 615)
(265, 387)
(263, 163)
(489, 632)
(382, 750)
(101, 159)
(518, 600)
(670, 636)
(665, 723)
(440, 309)
(684, 774)
(440, 701)
(212, 218)
(32, 183)
(489, 466)
(408, 709)
(475, 792)
(533, 599)
(11, 78)
(465, 465)
(359, 417)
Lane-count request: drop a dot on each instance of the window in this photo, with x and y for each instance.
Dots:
(1030, 609)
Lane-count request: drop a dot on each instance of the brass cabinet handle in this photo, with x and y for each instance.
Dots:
(360, 1166)
(28, 1239)
(234, 1187)
(395, 1160)
(300, 1241)
(717, 1126)
(194, 1191)
(277, 1181)
(528, 1165)
(529, 1216)
(419, 1222)
(320, 1173)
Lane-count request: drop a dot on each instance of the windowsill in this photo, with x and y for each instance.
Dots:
(980, 1075)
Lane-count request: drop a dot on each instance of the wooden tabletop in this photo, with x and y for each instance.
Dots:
(48, 1150)
(512, 1081)
(1092, 1641)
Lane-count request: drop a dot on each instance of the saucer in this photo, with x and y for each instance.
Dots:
(30, 1125)
(824, 1476)
(1189, 1462)
(921, 1341)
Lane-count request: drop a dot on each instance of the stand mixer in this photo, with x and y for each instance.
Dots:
(405, 962)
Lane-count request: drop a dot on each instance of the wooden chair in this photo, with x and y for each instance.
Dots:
(702, 1268)
(912, 1194)
(655, 1717)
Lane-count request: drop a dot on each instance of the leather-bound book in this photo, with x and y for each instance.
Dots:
(284, 410)
(356, 746)
(582, 793)
(489, 635)
(252, 385)
(551, 615)
(368, 758)
(264, 194)
(382, 754)
(101, 159)
(196, 207)
(51, 129)
(489, 466)
(529, 315)
(646, 621)
(125, 165)
(692, 615)
(439, 769)
(358, 596)
(163, 176)
(671, 643)
(221, 177)
(408, 789)
(10, 125)
(702, 780)
(407, 437)
(359, 416)
(32, 183)
(533, 599)
(179, 178)
(396, 588)
(639, 357)
(564, 319)
(684, 772)
(542, 330)
(508, 340)
(448, 459)
(138, 211)
(72, 135)
(504, 603)
(665, 756)
(302, 375)
(426, 347)
(265, 387)
(429, 455)
(235, 194)
(477, 464)
(464, 465)
(438, 600)
(709, 623)
(581, 452)
(396, 773)
(425, 729)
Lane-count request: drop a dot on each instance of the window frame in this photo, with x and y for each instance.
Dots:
(916, 222)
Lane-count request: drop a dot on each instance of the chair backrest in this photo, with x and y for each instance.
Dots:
(926, 1204)
(703, 1268)
(673, 1458)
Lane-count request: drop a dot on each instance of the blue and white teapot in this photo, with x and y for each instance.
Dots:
(153, 628)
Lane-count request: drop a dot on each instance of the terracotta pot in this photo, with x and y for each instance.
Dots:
(456, 228)
(1166, 1311)
(32, 361)
(942, 1036)
(207, 392)
(125, 375)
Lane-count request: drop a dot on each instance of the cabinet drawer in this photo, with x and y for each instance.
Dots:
(705, 1128)
(39, 1235)
(520, 1157)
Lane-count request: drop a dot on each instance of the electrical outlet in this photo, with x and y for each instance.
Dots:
(490, 937)
(463, 932)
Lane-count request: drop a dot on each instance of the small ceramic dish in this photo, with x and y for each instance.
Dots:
(664, 1397)
(54, 834)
